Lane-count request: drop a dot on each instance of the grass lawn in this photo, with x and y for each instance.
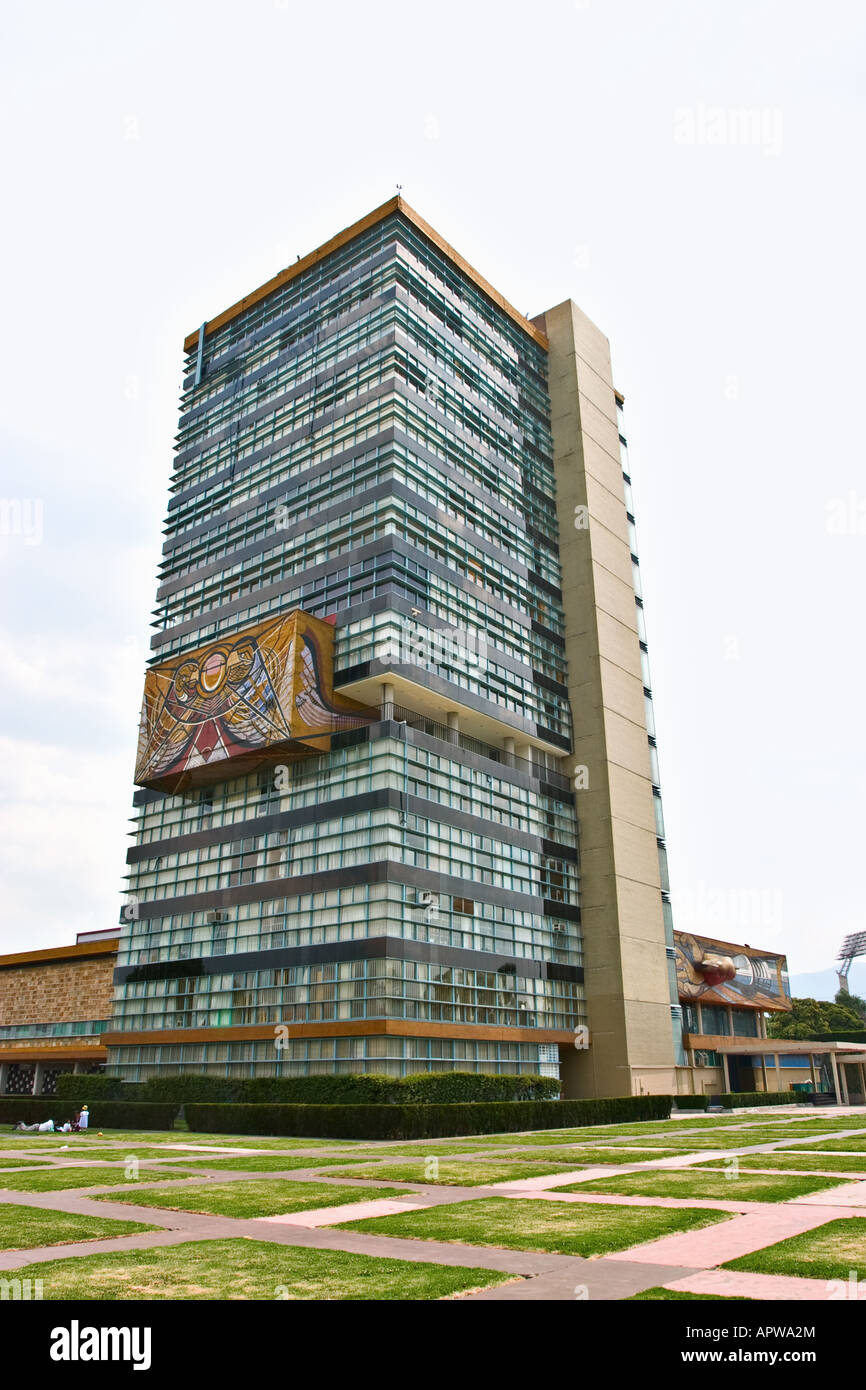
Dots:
(832, 1123)
(451, 1174)
(855, 1145)
(19, 1161)
(756, 1187)
(108, 1155)
(579, 1156)
(651, 1132)
(660, 1294)
(819, 1127)
(575, 1156)
(786, 1162)
(253, 1269)
(564, 1228)
(431, 1148)
(719, 1139)
(262, 1163)
(54, 1179)
(23, 1228)
(831, 1251)
(248, 1141)
(248, 1200)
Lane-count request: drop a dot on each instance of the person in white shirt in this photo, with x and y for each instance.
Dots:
(84, 1118)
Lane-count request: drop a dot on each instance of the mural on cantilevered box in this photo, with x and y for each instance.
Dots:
(222, 710)
(718, 972)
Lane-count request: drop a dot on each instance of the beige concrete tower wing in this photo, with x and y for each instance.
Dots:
(627, 981)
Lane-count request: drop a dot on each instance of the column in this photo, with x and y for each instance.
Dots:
(37, 1079)
(508, 744)
(778, 1071)
(387, 700)
(835, 1067)
(78, 1068)
(764, 1072)
(453, 719)
(4, 1077)
(726, 1073)
(812, 1071)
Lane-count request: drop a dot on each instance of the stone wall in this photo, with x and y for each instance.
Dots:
(56, 991)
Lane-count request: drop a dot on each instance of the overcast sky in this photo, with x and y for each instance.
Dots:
(690, 173)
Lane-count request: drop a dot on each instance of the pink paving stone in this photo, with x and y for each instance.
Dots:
(733, 1284)
(350, 1211)
(212, 1149)
(849, 1194)
(715, 1245)
(548, 1180)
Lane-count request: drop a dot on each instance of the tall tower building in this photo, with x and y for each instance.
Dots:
(398, 803)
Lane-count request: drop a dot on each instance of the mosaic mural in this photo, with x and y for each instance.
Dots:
(718, 972)
(226, 708)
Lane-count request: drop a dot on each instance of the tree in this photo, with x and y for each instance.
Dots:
(852, 1001)
(809, 1017)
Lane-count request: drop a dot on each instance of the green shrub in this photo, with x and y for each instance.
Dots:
(132, 1114)
(188, 1087)
(691, 1102)
(458, 1087)
(88, 1089)
(424, 1121)
(422, 1088)
(21, 1108)
(737, 1100)
(104, 1114)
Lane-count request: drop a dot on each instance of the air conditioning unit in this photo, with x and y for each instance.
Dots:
(218, 916)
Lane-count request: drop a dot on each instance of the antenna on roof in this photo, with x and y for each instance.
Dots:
(399, 189)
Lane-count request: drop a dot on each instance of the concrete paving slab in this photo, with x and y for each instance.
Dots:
(715, 1245)
(774, 1288)
(350, 1211)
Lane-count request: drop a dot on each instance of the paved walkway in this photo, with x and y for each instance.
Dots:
(687, 1261)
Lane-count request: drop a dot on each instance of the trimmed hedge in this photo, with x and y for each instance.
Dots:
(31, 1112)
(443, 1088)
(427, 1121)
(691, 1102)
(89, 1089)
(737, 1100)
(105, 1114)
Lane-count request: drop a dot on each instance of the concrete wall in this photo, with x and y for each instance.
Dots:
(627, 987)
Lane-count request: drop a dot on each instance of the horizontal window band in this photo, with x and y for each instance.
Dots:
(388, 798)
(369, 948)
(381, 871)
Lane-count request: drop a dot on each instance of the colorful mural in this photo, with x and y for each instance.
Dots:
(263, 695)
(717, 972)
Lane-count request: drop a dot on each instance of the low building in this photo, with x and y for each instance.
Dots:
(54, 1007)
(727, 992)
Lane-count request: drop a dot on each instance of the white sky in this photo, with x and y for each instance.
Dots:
(687, 172)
